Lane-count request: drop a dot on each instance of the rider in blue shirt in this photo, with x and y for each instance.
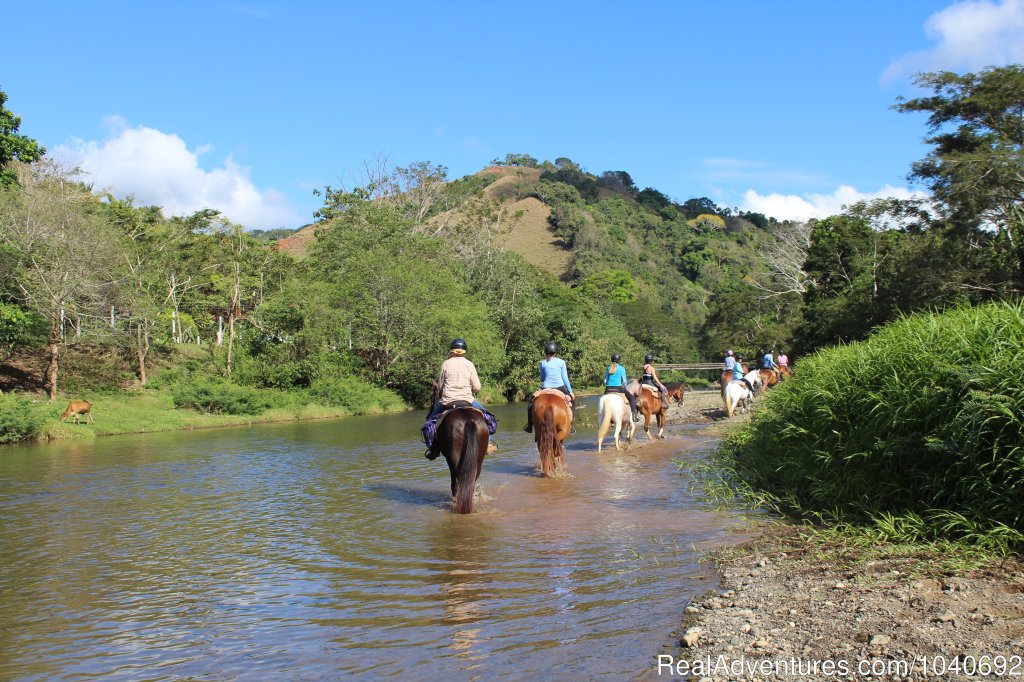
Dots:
(615, 382)
(737, 373)
(553, 374)
(730, 361)
(768, 362)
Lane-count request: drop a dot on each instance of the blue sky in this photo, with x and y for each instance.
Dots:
(781, 107)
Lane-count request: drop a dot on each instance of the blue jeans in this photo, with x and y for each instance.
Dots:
(439, 408)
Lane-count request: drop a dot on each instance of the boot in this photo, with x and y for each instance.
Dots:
(637, 418)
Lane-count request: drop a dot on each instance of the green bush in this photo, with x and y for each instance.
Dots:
(217, 396)
(354, 394)
(20, 419)
(920, 428)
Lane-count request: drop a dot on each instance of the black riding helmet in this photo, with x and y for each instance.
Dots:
(616, 357)
(649, 358)
(459, 344)
(550, 348)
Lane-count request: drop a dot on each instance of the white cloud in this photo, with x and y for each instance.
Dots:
(159, 169)
(970, 35)
(794, 207)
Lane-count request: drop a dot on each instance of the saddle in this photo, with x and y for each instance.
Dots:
(552, 391)
(429, 429)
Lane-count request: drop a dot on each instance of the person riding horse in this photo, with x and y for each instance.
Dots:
(457, 383)
(730, 361)
(650, 377)
(737, 373)
(615, 382)
(783, 364)
(553, 374)
(768, 362)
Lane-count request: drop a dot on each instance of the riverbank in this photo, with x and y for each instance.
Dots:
(152, 410)
(897, 612)
(794, 598)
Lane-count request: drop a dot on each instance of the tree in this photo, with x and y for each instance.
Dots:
(14, 147)
(976, 168)
(784, 258)
(516, 160)
(66, 250)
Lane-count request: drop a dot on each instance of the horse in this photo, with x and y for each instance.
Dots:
(462, 438)
(552, 422)
(734, 394)
(649, 402)
(726, 376)
(785, 371)
(675, 390)
(614, 407)
(769, 377)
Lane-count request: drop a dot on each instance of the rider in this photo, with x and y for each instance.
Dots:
(737, 373)
(783, 362)
(615, 382)
(553, 374)
(768, 362)
(650, 377)
(730, 361)
(458, 382)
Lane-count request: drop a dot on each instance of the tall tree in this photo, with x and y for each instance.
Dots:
(976, 167)
(64, 246)
(14, 147)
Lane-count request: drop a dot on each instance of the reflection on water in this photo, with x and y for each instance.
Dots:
(315, 550)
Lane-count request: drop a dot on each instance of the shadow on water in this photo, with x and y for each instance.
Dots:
(424, 497)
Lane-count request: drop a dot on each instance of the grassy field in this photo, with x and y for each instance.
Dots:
(148, 410)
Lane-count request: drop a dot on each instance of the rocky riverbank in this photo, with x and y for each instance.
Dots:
(792, 606)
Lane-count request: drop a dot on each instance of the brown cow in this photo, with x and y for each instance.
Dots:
(76, 408)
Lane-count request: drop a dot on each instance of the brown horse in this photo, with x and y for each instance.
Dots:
(649, 403)
(785, 371)
(552, 422)
(462, 438)
(769, 377)
(727, 375)
(675, 390)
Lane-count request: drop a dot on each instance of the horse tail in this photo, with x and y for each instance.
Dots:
(604, 420)
(547, 442)
(729, 405)
(468, 469)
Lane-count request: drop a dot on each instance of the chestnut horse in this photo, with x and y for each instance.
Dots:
(552, 421)
(769, 377)
(675, 390)
(462, 438)
(649, 403)
(785, 371)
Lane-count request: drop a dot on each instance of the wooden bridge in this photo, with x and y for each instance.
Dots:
(691, 366)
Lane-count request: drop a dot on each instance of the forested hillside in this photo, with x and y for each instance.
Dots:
(369, 295)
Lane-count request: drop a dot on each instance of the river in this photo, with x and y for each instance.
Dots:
(321, 550)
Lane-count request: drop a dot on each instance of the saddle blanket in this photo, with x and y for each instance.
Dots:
(653, 389)
(429, 429)
(553, 391)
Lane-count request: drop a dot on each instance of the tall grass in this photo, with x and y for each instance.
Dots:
(20, 419)
(919, 430)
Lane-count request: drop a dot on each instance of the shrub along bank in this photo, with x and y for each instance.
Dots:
(917, 432)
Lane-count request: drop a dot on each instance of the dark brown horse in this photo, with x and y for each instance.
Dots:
(552, 422)
(462, 438)
(649, 403)
(675, 390)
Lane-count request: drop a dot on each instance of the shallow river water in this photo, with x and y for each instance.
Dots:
(322, 550)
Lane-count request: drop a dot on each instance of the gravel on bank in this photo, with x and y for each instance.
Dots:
(799, 605)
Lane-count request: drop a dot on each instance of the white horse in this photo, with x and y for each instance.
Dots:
(736, 393)
(613, 407)
(754, 377)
